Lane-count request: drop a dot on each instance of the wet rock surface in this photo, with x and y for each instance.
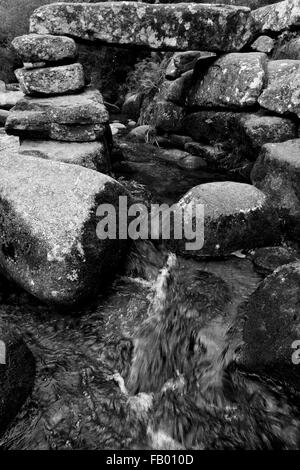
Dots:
(266, 260)
(51, 80)
(167, 27)
(272, 326)
(44, 48)
(17, 372)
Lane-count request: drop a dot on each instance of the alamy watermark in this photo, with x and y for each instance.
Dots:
(157, 222)
(296, 353)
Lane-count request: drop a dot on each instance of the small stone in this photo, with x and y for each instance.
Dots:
(51, 80)
(263, 44)
(44, 48)
(237, 216)
(223, 86)
(92, 155)
(16, 374)
(48, 237)
(211, 154)
(139, 134)
(179, 140)
(2, 86)
(172, 155)
(272, 327)
(282, 93)
(191, 162)
(266, 260)
(34, 65)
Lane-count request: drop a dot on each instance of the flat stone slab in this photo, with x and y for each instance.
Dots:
(51, 80)
(69, 114)
(277, 173)
(44, 48)
(48, 227)
(92, 155)
(8, 99)
(282, 94)
(236, 216)
(278, 17)
(234, 80)
(183, 26)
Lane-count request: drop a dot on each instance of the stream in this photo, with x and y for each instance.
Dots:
(150, 364)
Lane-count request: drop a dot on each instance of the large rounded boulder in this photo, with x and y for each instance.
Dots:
(271, 333)
(234, 216)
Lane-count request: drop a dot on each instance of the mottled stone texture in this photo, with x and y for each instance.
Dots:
(92, 155)
(55, 117)
(48, 227)
(272, 325)
(183, 26)
(278, 16)
(282, 94)
(277, 174)
(234, 80)
(44, 48)
(236, 216)
(51, 80)
(287, 46)
(168, 116)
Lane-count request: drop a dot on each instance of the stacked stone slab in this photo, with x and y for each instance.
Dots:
(58, 109)
(49, 191)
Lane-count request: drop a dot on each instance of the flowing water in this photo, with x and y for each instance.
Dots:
(149, 365)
